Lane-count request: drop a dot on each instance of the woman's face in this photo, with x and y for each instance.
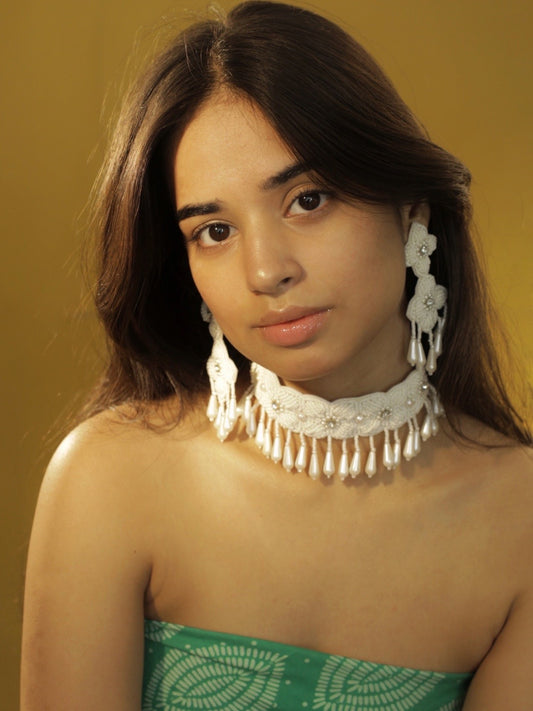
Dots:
(299, 280)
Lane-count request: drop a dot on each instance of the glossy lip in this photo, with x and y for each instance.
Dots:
(294, 326)
(291, 313)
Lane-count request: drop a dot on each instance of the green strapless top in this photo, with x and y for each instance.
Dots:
(189, 668)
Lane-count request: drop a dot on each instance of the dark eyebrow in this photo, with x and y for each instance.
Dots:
(203, 208)
(292, 171)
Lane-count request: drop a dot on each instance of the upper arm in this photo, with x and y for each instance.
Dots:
(504, 680)
(86, 575)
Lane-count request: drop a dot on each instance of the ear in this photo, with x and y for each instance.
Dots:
(416, 212)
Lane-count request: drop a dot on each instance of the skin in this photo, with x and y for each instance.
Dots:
(425, 567)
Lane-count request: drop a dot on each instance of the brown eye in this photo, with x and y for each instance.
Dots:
(218, 232)
(213, 234)
(309, 201)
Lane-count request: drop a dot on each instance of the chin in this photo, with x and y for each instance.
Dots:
(301, 370)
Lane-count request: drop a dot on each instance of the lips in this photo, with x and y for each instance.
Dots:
(293, 326)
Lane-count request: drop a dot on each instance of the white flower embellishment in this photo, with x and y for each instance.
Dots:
(428, 298)
(419, 248)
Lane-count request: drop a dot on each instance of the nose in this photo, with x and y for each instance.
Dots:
(271, 266)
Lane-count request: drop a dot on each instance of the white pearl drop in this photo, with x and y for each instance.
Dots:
(420, 355)
(212, 408)
(343, 466)
(371, 467)
(388, 456)
(397, 453)
(251, 425)
(416, 441)
(288, 459)
(412, 352)
(329, 464)
(267, 443)
(276, 449)
(426, 430)
(438, 342)
(314, 469)
(431, 363)
(408, 450)
(355, 466)
(301, 458)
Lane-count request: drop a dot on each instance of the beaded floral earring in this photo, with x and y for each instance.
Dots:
(429, 298)
(222, 372)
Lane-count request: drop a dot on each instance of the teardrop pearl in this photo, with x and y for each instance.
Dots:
(434, 426)
(329, 464)
(431, 363)
(420, 355)
(276, 449)
(212, 408)
(426, 430)
(260, 433)
(388, 457)
(228, 422)
(301, 458)
(411, 354)
(232, 411)
(251, 425)
(397, 453)
(314, 470)
(343, 466)
(288, 459)
(438, 341)
(437, 407)
(408, 450)
(355, 466)
(371, 468)
(416, 441)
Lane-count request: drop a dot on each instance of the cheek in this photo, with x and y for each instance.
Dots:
(371, 269)
(223, 302)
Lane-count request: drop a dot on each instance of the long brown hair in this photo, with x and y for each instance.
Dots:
(340, 115)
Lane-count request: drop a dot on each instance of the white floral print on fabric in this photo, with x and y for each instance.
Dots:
(425, 303)
(228, 677)
(420, 246)
(160, 631)
(346, 684)
(455, 705)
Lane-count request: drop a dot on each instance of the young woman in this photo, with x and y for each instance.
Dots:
(349, 525)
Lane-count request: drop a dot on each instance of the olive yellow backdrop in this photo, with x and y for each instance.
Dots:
(464, 66)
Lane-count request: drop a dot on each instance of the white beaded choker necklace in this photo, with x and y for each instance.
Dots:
(287, 424)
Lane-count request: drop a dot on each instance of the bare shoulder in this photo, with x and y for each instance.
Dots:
(115, 450)
(503, 461)
(499, 495)
(90, 560)
(494, 484)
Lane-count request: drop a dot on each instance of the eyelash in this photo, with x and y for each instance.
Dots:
(196, 234)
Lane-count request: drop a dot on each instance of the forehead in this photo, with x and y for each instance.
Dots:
(228, 140)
